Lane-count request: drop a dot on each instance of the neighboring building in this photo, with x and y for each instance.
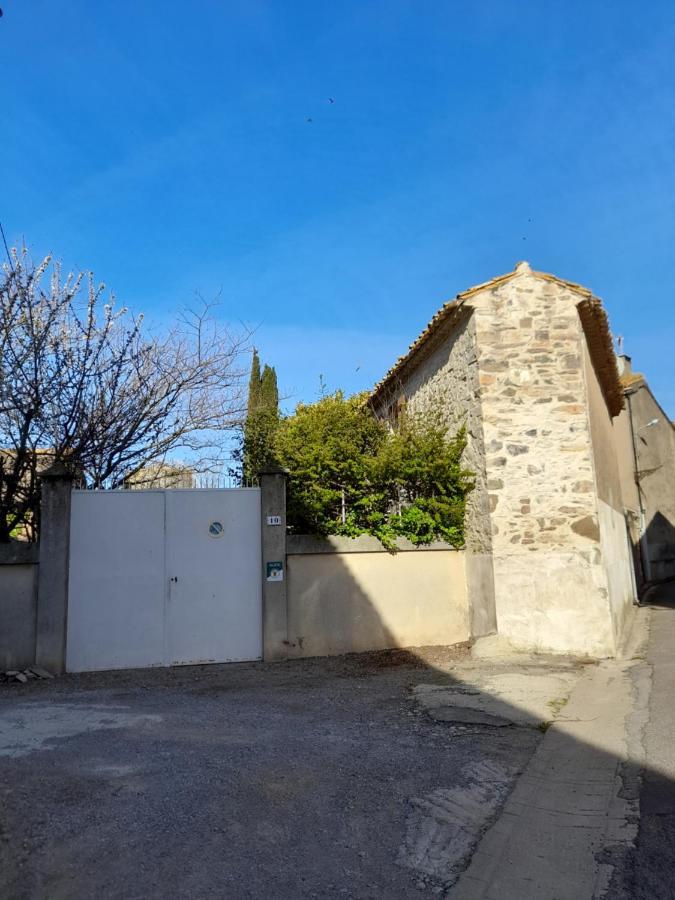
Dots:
(526, 362)
(28, 493)
(647, 460)
(161, 475)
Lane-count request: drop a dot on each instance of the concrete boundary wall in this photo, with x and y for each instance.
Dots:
(52, 610)
(328, 596)
(34, 584)
(273, 556)
(18, 604)
(350, 595)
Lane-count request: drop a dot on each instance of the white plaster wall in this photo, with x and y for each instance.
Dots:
(553, 602)
(354, 602)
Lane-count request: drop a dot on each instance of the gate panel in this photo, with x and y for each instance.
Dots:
(214, 608)
(116, 580)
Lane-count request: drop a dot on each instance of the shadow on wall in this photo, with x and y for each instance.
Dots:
(438, 830)
(661, 543)
(351, 602)
(18, 604)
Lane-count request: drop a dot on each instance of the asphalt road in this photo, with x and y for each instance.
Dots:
(648, 871)
(303, 779)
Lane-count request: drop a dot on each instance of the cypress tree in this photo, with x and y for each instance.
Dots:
(254, 385)
(269, 392)
(262, 418)
(275, 392)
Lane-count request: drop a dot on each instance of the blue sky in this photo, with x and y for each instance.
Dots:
(166, 146)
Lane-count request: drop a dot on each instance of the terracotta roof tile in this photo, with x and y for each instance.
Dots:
(631, 379)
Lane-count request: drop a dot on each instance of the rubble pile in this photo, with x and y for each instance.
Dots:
(26, 675)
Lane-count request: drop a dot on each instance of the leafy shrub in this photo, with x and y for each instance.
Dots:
(350, 474)
(329, 448)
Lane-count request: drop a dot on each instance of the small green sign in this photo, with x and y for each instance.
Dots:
(275, 571)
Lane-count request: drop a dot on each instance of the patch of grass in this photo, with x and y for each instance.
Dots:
(544, 727)
(556, 705)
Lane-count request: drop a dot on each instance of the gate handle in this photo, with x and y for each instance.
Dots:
(173, 578)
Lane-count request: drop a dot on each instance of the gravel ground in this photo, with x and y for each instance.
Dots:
(318, 778)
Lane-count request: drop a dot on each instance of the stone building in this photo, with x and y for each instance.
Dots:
(526, 362)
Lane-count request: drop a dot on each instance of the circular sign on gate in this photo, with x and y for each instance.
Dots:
(216, 529)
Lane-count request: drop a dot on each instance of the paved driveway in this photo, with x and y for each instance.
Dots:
(304, 779)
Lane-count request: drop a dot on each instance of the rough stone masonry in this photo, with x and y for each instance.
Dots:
(526, 362)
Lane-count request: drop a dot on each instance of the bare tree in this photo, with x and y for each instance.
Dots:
(84, 383)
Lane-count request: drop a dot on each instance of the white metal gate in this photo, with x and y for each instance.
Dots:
(164, 577)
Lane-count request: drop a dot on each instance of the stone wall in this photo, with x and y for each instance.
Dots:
(550, 584)
(446, 376)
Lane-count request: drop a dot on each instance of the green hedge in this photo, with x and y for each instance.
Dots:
(351, 474)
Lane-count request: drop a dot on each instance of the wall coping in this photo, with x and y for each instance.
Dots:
(301, 544)
(19, 553)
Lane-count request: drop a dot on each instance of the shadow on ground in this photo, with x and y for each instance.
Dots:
(647, 871)
(315, 778)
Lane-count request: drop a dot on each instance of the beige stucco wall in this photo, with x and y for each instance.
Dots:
(357, 601)
(631, 503)
(603, 439)
(626, 462)
(551, 589)
(614, 537)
